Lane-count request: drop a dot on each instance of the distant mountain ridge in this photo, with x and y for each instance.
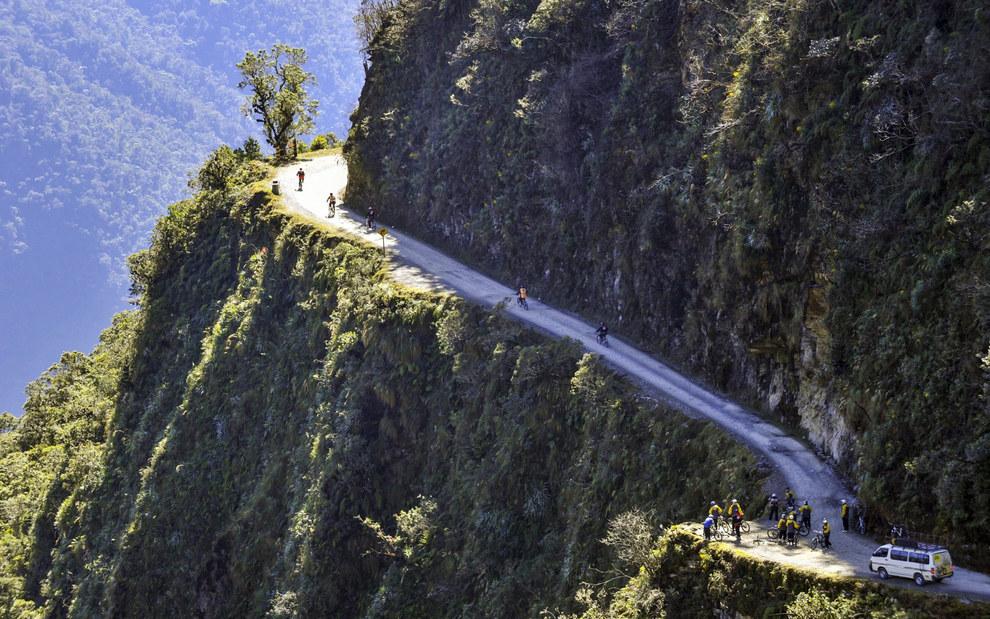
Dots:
(104, 109)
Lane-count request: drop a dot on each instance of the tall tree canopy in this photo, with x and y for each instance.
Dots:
(278, 98)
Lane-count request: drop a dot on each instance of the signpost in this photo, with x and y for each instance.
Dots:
(383, 232)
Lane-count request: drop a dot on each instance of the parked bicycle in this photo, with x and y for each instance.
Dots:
(818, 541)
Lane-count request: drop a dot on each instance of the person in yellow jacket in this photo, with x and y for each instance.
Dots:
(792, 530)
(715, 511)
(734, 508)
(782, 530)
(826, 532)
(844, 512)
(805, 510)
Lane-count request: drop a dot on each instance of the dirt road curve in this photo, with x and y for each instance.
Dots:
(417, 264)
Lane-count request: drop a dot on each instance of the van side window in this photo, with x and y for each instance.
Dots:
(880, 552)
(919, 557)
(898, 555)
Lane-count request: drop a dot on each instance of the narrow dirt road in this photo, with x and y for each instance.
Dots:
(419, 265)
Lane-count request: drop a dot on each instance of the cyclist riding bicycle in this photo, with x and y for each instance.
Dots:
(602, 332)
(331, 205)
(301, 176)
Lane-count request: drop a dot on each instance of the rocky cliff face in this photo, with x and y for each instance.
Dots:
(787, 198)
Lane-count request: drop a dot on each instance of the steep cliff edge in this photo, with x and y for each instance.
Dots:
(787, 197)
(281, 431)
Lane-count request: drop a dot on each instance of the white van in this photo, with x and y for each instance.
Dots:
(919, 562)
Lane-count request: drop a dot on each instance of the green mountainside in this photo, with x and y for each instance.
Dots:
(785, 197)
(278, 429)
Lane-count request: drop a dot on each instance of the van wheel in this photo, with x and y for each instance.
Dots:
(882, 573)
(919, 580)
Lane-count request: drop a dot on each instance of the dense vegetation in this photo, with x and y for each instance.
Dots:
(681, 576)
(279, 430)
(787, 197)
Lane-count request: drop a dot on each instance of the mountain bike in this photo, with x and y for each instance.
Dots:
(603, 339)
(773, 533)
(818, 541)
(726, 526)
(331, 209)
(715, 535)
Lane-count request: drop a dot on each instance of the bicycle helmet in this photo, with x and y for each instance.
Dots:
(773, 496)
(824, 520)
(843, 500)
(712, 503)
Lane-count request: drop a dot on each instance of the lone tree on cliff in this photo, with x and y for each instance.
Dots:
(278, 98)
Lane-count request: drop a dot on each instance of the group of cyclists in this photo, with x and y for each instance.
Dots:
(734, 513)
(522, 296)
(790, 522)
(369, 221)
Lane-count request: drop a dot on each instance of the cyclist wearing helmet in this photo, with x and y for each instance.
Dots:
(715, 511)
(774, 507)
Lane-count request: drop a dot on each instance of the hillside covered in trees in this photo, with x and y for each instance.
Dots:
(278, 429)
(787, 198)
